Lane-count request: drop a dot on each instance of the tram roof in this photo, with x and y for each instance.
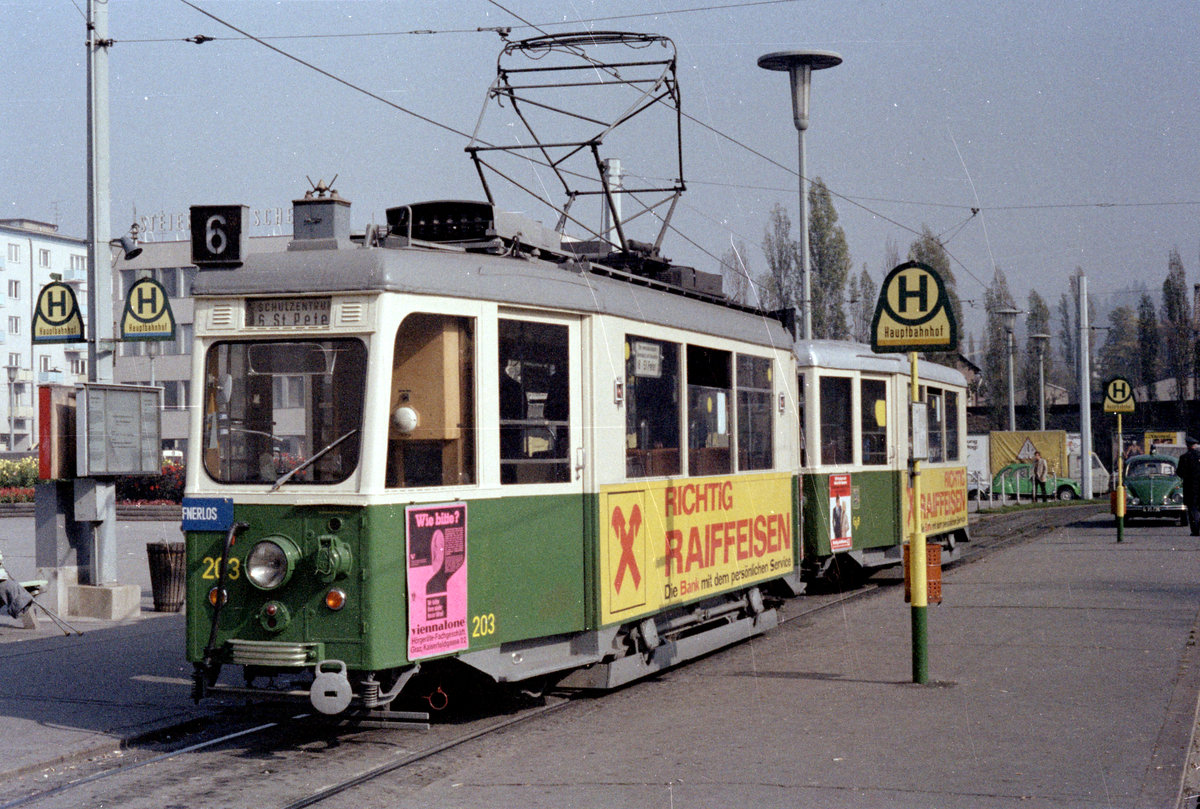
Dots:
(481, 276)
(842, 355)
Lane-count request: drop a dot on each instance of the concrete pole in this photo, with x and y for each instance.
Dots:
(805, 270)
(99, 564)
(1085, 394)
(1041, 388)
(1012, 396)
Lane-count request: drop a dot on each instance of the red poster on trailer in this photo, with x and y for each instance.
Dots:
(840, 533)
(437, 579)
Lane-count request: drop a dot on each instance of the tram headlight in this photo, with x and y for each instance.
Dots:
(270, 563)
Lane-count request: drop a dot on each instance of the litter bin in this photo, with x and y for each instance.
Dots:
(167, 568)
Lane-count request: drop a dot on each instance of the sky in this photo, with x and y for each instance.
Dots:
(1072, 127)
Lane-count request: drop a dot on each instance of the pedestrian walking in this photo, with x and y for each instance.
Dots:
(1189, 472)
(1040, 472)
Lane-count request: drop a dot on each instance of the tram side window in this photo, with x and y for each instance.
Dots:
(836, 426)
(952, 451)
(431, 433)
(755, 427)
(873, 399)
(937, 418)
(709, 378)
(534, 402)
(652, 407)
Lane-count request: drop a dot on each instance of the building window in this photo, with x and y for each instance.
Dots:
(169, 278)
(14, 252)
(44, 363)
(79, 367)
(14, 288)
(79, 263)
(14, 325)
(43, 258)
(14, 360)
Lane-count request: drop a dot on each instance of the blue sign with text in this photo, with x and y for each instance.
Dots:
(207, 513)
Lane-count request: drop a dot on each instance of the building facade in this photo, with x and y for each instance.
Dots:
(32, 254)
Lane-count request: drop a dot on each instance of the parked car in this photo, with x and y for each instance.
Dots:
(1153, 490)
(1016, 480)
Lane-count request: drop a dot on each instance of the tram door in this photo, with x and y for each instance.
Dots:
(542, 465)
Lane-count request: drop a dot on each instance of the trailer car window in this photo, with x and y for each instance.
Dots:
(933, 403)
(874, 410)
(431, 432)
(652, 415)
(709, 388)
(836, 425)
(952, 451)
(755, 426)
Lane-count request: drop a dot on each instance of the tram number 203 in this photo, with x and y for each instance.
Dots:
(483, 625)
(212, 568)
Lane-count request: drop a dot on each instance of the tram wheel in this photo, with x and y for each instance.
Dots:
(843, 573)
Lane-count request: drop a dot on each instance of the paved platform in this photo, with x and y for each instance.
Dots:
(1065, 673)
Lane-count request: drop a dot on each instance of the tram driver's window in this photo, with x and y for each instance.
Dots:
(755, 425)
(873, 405)
(534, 402)
(431, 430)
(836, 425)
(651, 407)
(709, 385)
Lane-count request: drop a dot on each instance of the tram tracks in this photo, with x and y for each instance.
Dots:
(269, 761)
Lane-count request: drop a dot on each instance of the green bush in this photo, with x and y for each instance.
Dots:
(20, 474)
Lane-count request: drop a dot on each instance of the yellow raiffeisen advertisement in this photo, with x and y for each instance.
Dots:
(669, 542)
(943, 500)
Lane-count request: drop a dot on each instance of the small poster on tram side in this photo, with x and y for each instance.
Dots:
(840, 532)
(437, 579)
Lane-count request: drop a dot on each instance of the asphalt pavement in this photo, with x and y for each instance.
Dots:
(1065, 673)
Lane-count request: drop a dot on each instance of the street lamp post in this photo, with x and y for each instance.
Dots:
(799, 66)
(12, 430)
(1009, 317)
(1041, 341)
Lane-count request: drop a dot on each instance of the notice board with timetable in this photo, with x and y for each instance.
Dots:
(118, 429)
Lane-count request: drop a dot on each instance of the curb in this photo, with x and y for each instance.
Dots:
(125, 511)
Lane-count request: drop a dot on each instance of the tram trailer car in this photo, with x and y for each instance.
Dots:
(458, 443)
(857, 500)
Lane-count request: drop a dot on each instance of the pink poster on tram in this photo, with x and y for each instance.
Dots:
(437, 579)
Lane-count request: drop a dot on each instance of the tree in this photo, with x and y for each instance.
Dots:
(1148, 360)
(1037, 321)
(864, 295)
(995, 359)
(1068, 314)
(781, 287)
(735, 275)
(1120, 351)
(1176, 326)
(830, 265)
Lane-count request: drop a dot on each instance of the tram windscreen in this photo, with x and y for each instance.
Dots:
(269, 406)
